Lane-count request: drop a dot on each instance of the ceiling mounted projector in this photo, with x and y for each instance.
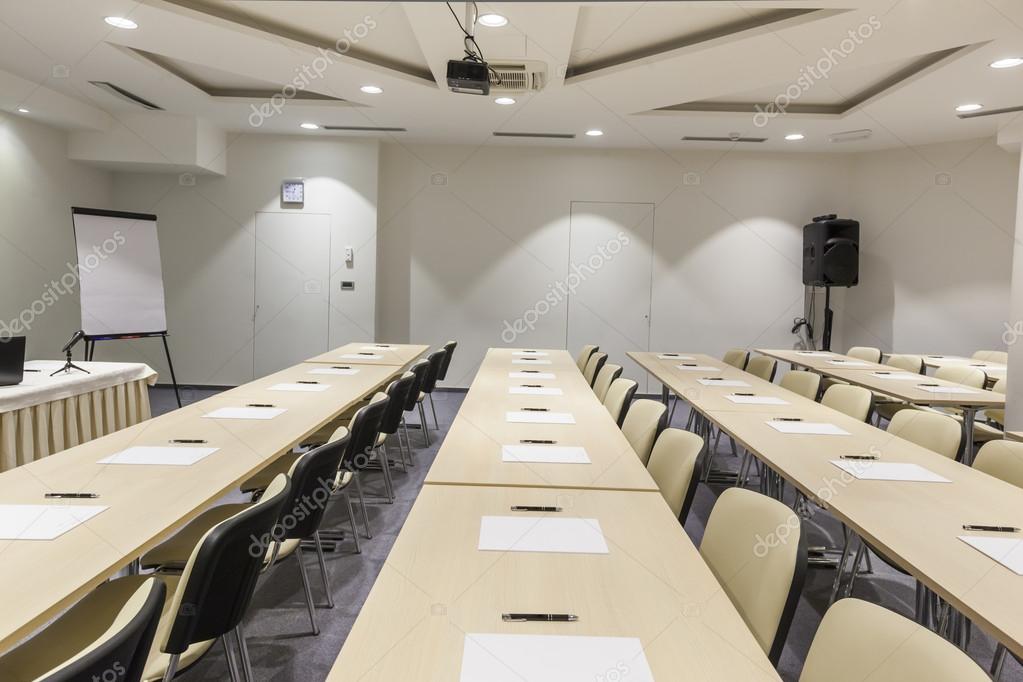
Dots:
(469, 77)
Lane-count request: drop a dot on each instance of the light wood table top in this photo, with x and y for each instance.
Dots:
(820, 361)
(147, 503)
(371, 353)
(472, 450)
(911, 391)
(994, 370)
(436, 587)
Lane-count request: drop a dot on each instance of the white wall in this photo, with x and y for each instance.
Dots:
(207, 241)
(38, 187)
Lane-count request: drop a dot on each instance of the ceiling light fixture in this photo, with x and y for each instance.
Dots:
(794, 137)
(1007, 63)
(22, 110)
(310, 126)
(121, 22)
(372, 89)
(964, 108)
(492, 20)
(594, 133)
(504, 100)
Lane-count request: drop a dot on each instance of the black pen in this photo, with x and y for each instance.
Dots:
(535, 409)
(746, 395)
(929, 385)
(527, 508)
(307, 382)
(187, 441)
(340, 367)
(33, 370)
(530, 371)
(713, 378)
(544, 617)
(365, 353)
(71, 496)
(787, 419)
(991, 529)
(688, 364)
(536, 441)
(259, 405)
(531, 385)
(859, 457)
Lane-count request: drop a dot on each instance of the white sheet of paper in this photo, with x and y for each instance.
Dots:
(896, 376)
(947, 389)
(672, 356)
(530, 375)
(541, 534)
(545, 454)
(246, 413)
(697, 368)
(533, 390)
(337, 371)
(1006, 551)
(730, 383)
(159, 456)
(849, 363)
(552, 658)
(300, 388)
(756, 400)
(527, 361)
(866, 470)
(528, 353)
(377, 348)
(362, 356)
(808, 428)
(42, 521)
(529, 417)
(814, 353)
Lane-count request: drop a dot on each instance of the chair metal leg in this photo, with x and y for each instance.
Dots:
(323, 569)
(362, 503)
(998, 662)
(307, 589)
(351, 519)
(422, 423)
(172, 666)
(239, 634)
(434, 410)
(385, 469)
(840, 569)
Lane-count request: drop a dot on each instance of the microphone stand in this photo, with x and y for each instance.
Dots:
(70, 365)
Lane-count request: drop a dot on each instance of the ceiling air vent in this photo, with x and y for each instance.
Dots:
(730, 138)
(127, 96)
(851, 135)
(520, 76)
(557, 136)
(367, 129)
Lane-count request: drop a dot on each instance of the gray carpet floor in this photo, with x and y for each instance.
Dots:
(278, 630)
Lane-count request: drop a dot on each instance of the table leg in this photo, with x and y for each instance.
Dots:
(664, 394)
(969, 415)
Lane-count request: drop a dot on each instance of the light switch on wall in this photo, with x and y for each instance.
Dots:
(349, 255)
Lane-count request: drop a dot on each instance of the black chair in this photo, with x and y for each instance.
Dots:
(363, 431)
(436, 359)
(398, 391)
(449, 348)
(117, 633)
(419, 368)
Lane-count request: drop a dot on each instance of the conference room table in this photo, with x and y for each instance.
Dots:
(916, 390)
(371, 353)
(916, 524)
(147, 503)
(821, 361)
(993, 370)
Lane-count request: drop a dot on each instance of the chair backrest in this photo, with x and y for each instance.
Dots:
(605, 376)
(806, 384)
(999, 356)
(449, 350)
(593, 366)
(123, 646)
(435, 360)
(312, 476)
(619, 397)
(999, 386)
(219, 579)
(865, 353)
(859, 641)
(584, 356)
(756, 547)
(674, 467)
(854, 401)
(398, 392)
(642, 424)
(419, 368)
(737, 357)
(967, 376)
(907, 363)
(1002, 459)
(938, 432)
(763, 367)
(364, 429)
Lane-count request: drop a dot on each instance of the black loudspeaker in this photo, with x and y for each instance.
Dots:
(831, 252)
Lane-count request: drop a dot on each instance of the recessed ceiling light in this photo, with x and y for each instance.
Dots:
(492, 20)
(1007, 63)
(121, 22)
(371, 89)
(22, 110)
(794, 137)
(310, 126)
(504, 100)
(963, 108)
(594, 132)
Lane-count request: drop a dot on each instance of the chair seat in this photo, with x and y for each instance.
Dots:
(261, 479)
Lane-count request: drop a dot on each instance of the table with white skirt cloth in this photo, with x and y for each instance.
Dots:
(43, 414)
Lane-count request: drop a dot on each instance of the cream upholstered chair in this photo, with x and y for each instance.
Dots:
(965, 375)
(607, 374)
(884, 406)
(593, 367)
(673, 466)
(618, 397)
(907, 363)
(762, 367)
(756, 547)
(801, 382)
(643, 422)
(997, 416)
(854, 401)
(865, 353)
(859, 641)
(737, 357)
(1002, 459)
(999, 356)
(932, 430)
(584, 356)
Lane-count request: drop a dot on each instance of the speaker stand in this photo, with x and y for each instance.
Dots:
(829, 320)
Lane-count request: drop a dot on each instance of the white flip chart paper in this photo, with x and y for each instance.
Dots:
(300, 388)
(159, 456)
(530, 375)
(552, 658)
(807, 428)
(42, 521)
(756, 400)
(866, 470)
(337, 371)
(541, 534)
(1006, 551)
(545, 454)
(535, 390)
(530, 417)
(246, 413)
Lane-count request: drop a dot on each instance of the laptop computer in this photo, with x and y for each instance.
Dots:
(12, 360)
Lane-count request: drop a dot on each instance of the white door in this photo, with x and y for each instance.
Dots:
(292, 289)
(609, 279)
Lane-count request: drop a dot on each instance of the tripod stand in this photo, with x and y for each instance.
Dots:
(70, 365)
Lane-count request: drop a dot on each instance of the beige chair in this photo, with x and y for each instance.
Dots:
(619, 396)
(643, 422)
(999, 356)
(803, 383)
(854, 401)
(858, 641)
(737, 357)
(865, 353)
(762, 367)
(907, 363)
(584, 356)
(607, 374)
(756, 547)
(965, 375)
(932, 430)
(997, 416)
(673, 466)
(593, 367)
(884, 406)
(1002, 459)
